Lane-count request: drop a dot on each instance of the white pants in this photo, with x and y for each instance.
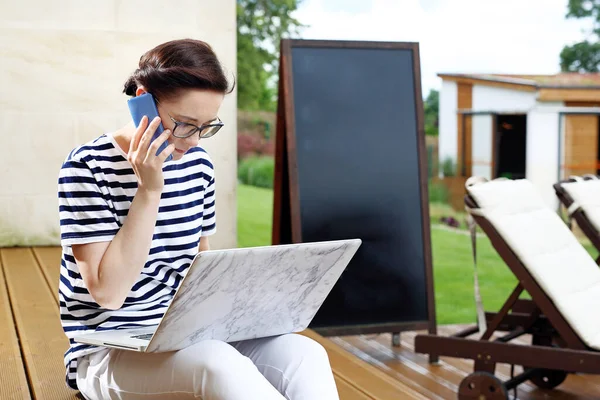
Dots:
(291, 367)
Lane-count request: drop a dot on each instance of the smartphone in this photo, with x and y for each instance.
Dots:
(145, 105)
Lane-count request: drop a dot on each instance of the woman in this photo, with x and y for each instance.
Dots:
(131, 223)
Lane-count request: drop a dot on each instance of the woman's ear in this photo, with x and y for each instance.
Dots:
(139, 91)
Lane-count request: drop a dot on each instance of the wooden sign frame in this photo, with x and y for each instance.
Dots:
(287, 222)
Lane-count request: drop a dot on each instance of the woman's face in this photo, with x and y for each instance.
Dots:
(192, 106)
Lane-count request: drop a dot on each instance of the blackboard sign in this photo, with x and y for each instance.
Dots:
(351, 163)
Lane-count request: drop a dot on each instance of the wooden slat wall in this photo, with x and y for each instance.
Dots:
(580, 145)
(464, 101)
(13, 381)
(582, 103)
(569, 95)
(38, 324)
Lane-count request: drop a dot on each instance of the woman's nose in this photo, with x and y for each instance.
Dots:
(193, 140)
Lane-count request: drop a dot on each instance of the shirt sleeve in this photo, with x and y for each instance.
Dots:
(209, 220)
(85, 214)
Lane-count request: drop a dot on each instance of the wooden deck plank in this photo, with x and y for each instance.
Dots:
(407, 363)
(416, 380)
(13, 381)
(347, 391)
(401, 362)
(362, 375)
(38, 324)
(48, 259)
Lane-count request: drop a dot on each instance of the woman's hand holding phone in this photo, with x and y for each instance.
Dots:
(142, 155)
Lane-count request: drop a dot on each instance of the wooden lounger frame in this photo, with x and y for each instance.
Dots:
(578, 215)
(556, 349)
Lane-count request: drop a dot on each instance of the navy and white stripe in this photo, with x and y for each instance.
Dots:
(96, 186)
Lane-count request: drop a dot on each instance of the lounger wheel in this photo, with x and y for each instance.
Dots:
(548, 378)
(482, 386)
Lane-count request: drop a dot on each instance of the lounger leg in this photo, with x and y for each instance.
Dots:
(483, 365)
(396, 339)
(512, 299)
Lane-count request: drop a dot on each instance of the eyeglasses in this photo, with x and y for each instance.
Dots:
(184, 130)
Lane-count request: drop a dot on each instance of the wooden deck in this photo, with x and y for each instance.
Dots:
(442, 381)
(365, 367)
(33, 341)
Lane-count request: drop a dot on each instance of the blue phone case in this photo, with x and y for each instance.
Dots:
(145, 105)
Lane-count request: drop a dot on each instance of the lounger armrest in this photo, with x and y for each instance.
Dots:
(470, 202)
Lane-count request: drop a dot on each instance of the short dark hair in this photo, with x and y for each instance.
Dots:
(177, 65)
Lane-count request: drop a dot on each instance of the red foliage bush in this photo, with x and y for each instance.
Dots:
(269, 148)
(251, 144)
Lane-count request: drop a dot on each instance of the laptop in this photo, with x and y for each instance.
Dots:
(240, 294)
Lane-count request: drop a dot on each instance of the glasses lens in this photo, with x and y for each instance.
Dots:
(209, 131)
(183, 131)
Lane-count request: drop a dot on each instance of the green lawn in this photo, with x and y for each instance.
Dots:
(452, 260)
(255, 212)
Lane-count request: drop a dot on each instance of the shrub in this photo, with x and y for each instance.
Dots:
(432, 161)
(269, 148)
(438, 193)
(449, 167)
(250, 144)
(257, 171)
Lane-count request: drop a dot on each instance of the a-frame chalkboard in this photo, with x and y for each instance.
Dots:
(351, 162)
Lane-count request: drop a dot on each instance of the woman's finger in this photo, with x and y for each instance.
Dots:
(147, 136)
(153, 149)
(166, 153)
(133, 144)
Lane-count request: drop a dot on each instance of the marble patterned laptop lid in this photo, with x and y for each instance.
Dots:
(248, 293)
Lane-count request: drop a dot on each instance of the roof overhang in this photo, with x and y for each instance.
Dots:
(488, 80)
(556, 110)
(545, 92)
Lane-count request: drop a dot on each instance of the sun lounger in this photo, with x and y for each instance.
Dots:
(559, 275)
(581, 198)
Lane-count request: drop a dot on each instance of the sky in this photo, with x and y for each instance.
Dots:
(456, 36)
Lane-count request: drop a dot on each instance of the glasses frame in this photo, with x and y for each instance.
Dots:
(219, 124)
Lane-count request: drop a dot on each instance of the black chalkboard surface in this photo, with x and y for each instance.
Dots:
(351, 163)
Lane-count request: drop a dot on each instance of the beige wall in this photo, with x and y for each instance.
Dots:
(62, 69)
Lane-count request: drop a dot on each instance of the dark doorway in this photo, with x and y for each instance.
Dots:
(510, 146)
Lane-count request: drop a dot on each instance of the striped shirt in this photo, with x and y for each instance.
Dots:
(96, 186)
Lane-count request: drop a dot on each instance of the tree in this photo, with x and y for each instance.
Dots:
(583, 56)
(261, 24)
(431, 108)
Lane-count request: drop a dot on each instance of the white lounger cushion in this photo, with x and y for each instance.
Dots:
(548, 249)
(587, 195)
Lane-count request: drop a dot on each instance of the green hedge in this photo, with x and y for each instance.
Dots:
(438, 193)
(257, 171)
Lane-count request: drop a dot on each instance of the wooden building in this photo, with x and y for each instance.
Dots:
(539, 127)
